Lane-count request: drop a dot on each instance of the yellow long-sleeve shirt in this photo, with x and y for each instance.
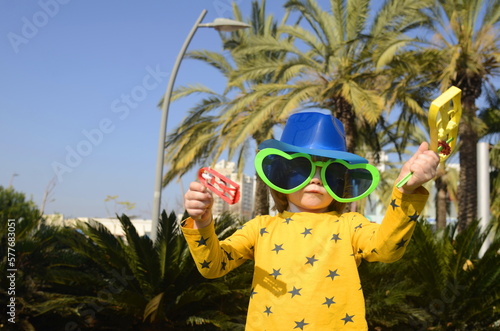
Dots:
(305, 274)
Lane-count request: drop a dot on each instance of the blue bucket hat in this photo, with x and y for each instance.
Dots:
(315, 134)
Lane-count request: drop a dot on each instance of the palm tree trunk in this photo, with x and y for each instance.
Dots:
(261, 195)
(440, 201)
(261, 198)
(467, 194)
(343, 111)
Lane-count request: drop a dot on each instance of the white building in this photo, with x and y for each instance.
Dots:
(142, 226)
(244, 207)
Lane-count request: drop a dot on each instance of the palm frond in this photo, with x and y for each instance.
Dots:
(185, 91)
(214, 59)
(143, 252)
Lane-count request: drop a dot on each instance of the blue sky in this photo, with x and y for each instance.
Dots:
(80, 83)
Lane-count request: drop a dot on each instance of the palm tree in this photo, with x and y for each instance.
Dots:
(340, 66)
(210, 129)
(344, 60)
(465, 39)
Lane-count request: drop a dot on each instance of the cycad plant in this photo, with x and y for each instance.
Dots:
(459, 289)
(440, 284)
(106, 282)
(141, 285)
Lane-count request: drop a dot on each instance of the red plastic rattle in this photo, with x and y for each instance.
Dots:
(225, 188)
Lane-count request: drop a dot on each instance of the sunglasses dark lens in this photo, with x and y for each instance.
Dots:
(348, 183)
(284, 173)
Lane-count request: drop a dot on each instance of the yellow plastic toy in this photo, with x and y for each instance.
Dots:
(444, 116)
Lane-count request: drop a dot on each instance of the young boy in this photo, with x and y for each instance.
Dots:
(306, 257)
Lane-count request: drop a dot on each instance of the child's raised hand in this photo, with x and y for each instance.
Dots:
(198, 201)
(423, 164)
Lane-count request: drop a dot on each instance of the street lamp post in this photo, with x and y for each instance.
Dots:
(219, 24)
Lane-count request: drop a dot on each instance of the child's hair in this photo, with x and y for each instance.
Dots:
(281, 203)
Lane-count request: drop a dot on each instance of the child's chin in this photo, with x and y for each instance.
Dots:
(315, 207)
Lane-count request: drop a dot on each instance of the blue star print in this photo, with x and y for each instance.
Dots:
(202, 242)
(301, 324)
(268, 311)
(275, 273)
(229, 257)
(252, 293)
(333, 274)
(295, 291)
(205, 264)
(401, 244)
(278, 248)
(329, 301)
(306, 232)
(336, 237)
(311, 260)
(393, 204)
(347, 318)
(262, 231)
(414, 217)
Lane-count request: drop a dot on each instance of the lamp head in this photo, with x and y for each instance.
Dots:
(226, 25)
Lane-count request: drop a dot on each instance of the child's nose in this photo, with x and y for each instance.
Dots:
(317, 177)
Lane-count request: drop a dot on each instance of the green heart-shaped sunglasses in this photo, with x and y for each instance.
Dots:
(288, 173)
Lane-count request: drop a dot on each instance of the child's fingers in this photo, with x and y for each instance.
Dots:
(198, 192)
(197, 200)
(422, 149)
(407, 166)
(424, 167)
(197, 187)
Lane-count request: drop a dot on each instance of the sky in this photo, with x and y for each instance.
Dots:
(80, 86)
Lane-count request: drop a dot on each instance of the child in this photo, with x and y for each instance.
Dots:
(306, 257)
